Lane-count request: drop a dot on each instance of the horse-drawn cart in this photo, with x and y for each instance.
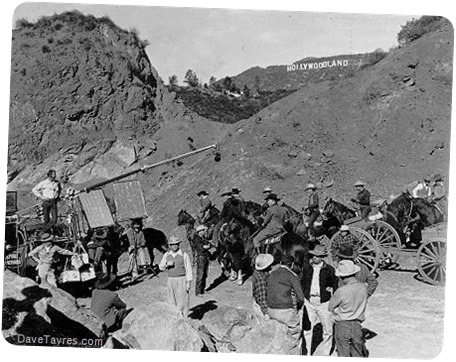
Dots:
(380, 246)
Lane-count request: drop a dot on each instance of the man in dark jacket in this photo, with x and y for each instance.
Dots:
(98, 247)
(318, 282)
(205, 206)
(201, 246)
(285, 298)
(362, 199)
(106, 304)
(273, 222)
(225, 216)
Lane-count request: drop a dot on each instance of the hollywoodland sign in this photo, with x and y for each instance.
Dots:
(318, 65)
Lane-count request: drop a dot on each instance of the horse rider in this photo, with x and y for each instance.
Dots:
(362, 199)
(273, 222)
(312, 211)
(439, 195)
(423, 189)
(225, 216)
(204, 212)
(236, 193)
(49, 191)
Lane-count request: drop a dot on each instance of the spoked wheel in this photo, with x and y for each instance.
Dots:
(386, 237)
(368, 251)
(432, 261)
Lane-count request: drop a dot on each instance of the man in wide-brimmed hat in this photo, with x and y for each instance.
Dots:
(204, 212)
(43, 255)
(348, 252)
(438, 193)
(312, 210)
(348, 305)
(136, 247)
(318, 283)
(180, 275)
(97, 247)
(285, 298)
(260, 276)
(273, 221)
(362, 199)
(344, 236)
(106, 303)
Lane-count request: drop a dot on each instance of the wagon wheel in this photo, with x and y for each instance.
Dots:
(368, 251)
(386, 237)
(431, 257)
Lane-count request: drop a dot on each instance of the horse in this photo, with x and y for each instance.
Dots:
(334, 214)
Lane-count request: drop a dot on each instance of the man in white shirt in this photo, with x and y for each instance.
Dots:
(179, 267)
(49, 191)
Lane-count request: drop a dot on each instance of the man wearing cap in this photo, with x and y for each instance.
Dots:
(273, 221)
(202, 246)
(362, 199)
(259, 286)
(344, 237)
(43, 255)
(204, 212)
(348, 305)
(313, 207)
(136, 247)
(106, 304)
(318, 283)
(423, 189)
(348, 252)
(285, 298)
(49, 191)
(96, 247)
(179, 267)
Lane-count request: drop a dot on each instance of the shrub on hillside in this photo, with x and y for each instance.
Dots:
(23, 23)
(416, 28)
(373, 58)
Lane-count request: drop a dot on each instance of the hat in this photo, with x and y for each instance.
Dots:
(310, 186)
(201, 228)
(235, 190)
(45, 236)
(262, 261)
(226, 193)
(344, 228)
(319, 250)
(359, 183)
(438, 177)
(267, 189)
(286, 259)
(346, 268)
(136, 221)
(104, 281)
(174, 240)
(100, 233)
(272, 196)
(202, 193)
(346, 251)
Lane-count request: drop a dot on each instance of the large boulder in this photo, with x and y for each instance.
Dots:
(158, 326)
(29, 310)
(271, 337)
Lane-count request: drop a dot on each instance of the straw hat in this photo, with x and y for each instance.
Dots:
(310, 186)
(319, 250)
(359, 183)
(262, 261)
(344, 228)
(200, 228)
(267, 189)
(346, 268)
(174, 240)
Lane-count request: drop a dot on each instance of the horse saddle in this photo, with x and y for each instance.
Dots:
(274, 238)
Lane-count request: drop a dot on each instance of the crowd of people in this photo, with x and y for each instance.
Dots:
(300, 298)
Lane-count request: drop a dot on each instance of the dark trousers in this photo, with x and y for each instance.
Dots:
(202, 265)
(111, 263)
(349, 339)
(120, 316)
(365, 210)
(49, 214)
(312, 217)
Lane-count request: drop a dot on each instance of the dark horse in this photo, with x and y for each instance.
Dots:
(409, 216)
(334, 214)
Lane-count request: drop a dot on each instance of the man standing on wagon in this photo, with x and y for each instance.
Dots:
(49, 191)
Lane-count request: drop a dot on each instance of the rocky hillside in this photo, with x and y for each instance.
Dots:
(387, 124)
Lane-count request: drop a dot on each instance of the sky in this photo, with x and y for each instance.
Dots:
(223, 42)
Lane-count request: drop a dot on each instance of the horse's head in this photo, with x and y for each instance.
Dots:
(184, 218)
(328, 209)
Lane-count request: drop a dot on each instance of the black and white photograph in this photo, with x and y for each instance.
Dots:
(226, 180)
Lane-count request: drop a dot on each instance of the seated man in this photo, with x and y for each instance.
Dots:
(97, 248)
(137, 246)
(273, 222)
(106, 304)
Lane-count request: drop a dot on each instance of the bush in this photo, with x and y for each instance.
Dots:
(373, 58)
(416, 28)
(23, 23)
